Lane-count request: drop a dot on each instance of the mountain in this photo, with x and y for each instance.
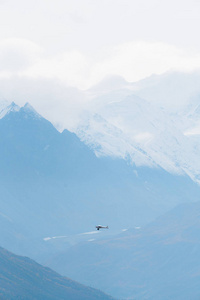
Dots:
(168, 134)
(172, 90)
(22, 278)
(158, 261)
(6, 107)
(54, 189)
(110, 83)
(154, 122)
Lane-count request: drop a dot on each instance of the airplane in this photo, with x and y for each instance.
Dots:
(100, 226)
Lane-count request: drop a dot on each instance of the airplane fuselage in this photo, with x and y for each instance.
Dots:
(100, 226)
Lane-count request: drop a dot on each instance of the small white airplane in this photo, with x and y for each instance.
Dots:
(100, 226)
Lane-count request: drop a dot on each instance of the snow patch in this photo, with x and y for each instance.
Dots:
(192, 131)
(91, 232)
(6, 217)
(47, 239)
(31, 111)
(55, 237)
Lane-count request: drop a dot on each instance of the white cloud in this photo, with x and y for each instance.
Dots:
(69, 67)
(192, 131)
(137, 60)
(133, 61)
(56, 102)
(17, 55)
(27, 73)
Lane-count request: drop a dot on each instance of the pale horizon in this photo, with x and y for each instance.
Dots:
(79, 43)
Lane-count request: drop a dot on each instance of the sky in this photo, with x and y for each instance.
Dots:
(79, 42)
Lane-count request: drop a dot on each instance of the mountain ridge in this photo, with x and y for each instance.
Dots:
(22, 278)
(52, 185)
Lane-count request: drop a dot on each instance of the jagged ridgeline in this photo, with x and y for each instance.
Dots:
(52, 184)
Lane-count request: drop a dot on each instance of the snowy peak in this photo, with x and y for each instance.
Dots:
(28, 109)
(7, 107)
(106, 139)
(147, 133)
(111, 83)
(172, 90)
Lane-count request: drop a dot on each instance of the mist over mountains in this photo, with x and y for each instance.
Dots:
(129, 160)
(52, 185)
(99, 150)
(159, 115)
(155, 121)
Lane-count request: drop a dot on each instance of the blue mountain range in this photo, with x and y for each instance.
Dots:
(52, 185)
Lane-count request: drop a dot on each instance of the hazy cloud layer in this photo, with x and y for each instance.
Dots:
(17, 55)
(47, 46)
(79, 42)
(133, 61)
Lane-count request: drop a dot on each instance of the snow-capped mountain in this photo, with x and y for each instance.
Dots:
(6, 107)
(153, 122)
(129, 123)
(172, 90)
(54, 189)
(52, 185)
